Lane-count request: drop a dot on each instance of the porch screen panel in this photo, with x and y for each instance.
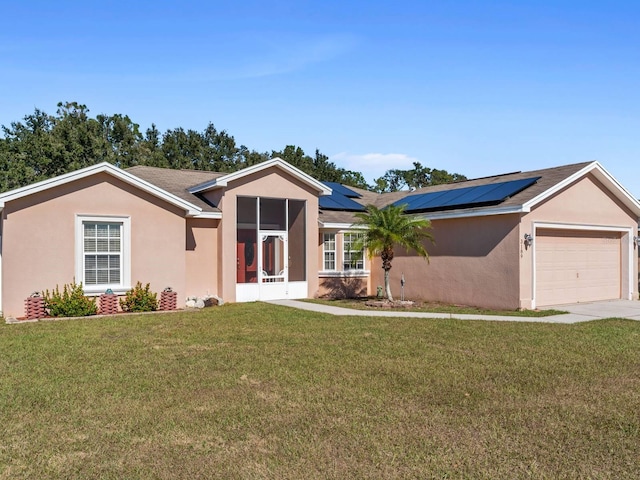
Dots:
(297, 241)
(273, 212)
(247, 236)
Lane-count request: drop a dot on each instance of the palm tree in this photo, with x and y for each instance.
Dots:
(388, 227)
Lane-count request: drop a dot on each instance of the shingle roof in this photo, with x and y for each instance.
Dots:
(549, 177)
(178, 182)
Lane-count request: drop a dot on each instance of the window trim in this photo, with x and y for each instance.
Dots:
(345, 252)
(125, 284)
(325, 251)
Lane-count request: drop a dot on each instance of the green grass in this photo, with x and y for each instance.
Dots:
(432, 307)
(261, 391)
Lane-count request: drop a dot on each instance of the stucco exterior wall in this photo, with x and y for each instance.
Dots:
(269, 183)
(585, 203)
(201, 257)
(473, 262)
(38, 241)
(343, 287)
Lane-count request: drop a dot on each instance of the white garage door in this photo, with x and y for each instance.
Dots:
(577, 266)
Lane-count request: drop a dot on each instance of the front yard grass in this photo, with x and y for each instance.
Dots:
(433, 307)
(262, 391)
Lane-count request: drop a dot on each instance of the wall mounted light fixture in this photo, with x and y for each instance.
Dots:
(528, 239)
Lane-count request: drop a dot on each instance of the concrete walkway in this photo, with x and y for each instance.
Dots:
(581, 312)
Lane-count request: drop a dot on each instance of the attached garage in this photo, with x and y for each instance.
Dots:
(577, 266)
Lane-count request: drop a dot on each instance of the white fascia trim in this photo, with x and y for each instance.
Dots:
(601, 174)
(471, 213)
(211, 215)
(438, 216)
(274, 162)
(341, 226)
(103, 167)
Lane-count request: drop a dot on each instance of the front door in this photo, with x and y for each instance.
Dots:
(273, 262)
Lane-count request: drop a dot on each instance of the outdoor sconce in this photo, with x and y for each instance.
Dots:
(528, 239)
(636, 241)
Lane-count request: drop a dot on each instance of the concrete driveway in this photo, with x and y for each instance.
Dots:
(612, 308)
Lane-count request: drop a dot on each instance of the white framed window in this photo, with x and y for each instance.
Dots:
(329, 251)
(352, 258)
(103, 253)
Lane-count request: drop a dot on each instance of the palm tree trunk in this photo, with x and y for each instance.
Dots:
(386, 256)
(387, 286)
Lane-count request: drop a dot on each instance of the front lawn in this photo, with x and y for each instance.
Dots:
(261, 391)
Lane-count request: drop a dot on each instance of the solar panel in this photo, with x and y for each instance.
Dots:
(448, 198)
(469, 195)
(337, 201)
(507, 189)
(492, 193)
(342, 190)
(429, 199)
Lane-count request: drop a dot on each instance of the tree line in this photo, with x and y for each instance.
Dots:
(41, 146)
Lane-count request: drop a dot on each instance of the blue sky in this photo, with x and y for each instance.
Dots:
(473, 87)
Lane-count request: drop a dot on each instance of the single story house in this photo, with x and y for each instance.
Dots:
(270, 231)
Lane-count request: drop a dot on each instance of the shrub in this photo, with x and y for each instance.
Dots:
(70, 303)
(139, 299)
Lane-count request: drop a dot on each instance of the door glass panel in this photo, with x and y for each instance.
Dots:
(273, 259)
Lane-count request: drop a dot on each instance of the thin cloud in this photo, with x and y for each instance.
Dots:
(285, 56)
(257, 57)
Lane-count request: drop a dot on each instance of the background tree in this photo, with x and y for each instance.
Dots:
(42, 146)
(389, 227)
(418, 177)
(320, 167)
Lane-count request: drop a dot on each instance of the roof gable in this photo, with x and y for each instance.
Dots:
(104, 167)
(224, 180)
(602, 175)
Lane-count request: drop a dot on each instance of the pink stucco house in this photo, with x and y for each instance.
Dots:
(270, 231)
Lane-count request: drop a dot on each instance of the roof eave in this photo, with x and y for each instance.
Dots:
(481, 212)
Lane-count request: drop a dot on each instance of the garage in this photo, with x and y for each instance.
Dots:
(577, 266)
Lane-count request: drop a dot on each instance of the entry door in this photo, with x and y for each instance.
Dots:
(273, 272)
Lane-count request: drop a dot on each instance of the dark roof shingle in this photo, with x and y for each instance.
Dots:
(178, 182)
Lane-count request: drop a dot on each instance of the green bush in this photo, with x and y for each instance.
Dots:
(70, 303)
(139, 299)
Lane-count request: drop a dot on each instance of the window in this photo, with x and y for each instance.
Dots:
(329, 247)
(352, 259)
(102, 253)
